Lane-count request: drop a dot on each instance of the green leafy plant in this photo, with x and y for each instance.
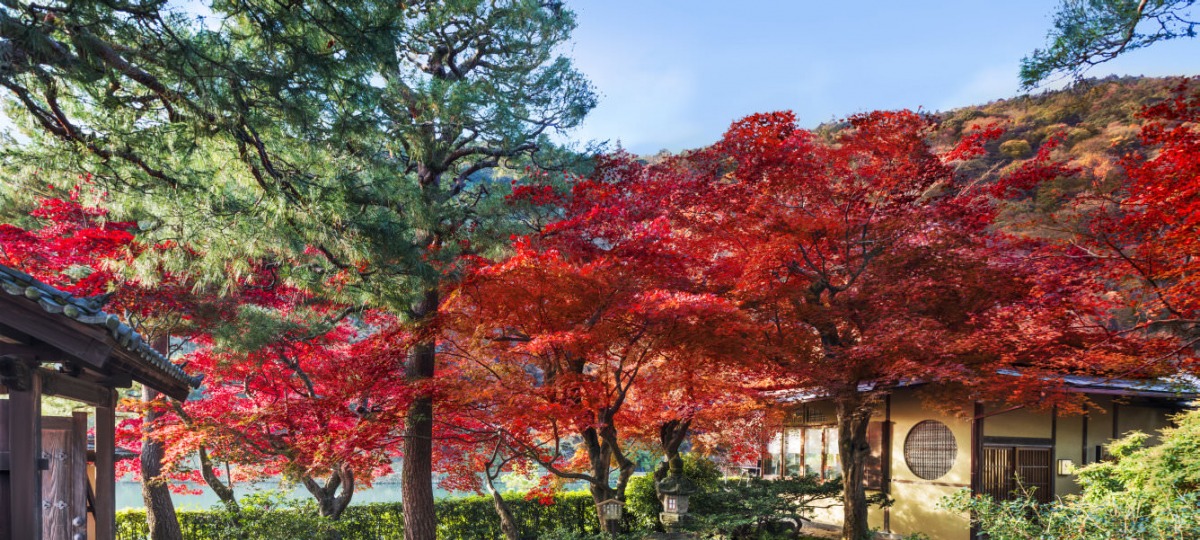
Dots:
(763, 509)
(270, 516)
(1150, 493)
(642, 503)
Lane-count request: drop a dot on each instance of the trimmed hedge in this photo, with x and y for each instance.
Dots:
(468, 518)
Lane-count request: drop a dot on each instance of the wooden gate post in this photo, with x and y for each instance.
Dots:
(25, 453)
(105, 503)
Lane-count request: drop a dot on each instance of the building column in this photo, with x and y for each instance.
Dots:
(105, 504)
(25, 452)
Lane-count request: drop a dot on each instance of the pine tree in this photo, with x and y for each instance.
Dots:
(349, 140)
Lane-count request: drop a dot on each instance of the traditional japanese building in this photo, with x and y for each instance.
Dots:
(920, 455)
(54, 344)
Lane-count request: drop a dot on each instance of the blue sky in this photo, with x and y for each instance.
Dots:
(672, 74)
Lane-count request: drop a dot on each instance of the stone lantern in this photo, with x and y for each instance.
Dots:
(674, 491)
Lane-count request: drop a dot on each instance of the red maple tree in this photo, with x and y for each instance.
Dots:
(871, 264)
(292, 385)
(598, 324)
(1141, 234)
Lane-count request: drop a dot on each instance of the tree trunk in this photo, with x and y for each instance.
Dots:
(160, 510)
(602, 449)
(416, 478)
(508, 524)
(224, 492)
(854, 415)
(602, 492)
(671, 435)
(331, 503)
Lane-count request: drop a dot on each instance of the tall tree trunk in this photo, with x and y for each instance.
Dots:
(330, 502)
(508, 525)
(854, 416)
(416, 478)
(160, 510)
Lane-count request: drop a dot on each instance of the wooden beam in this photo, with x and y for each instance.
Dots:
(886, 465)
(13, 336)
(39, 351)
(977, 427)
(25, 444)
(1029, 442)
(117, 380)
(58, 384)
(106, 471)
(1053, 451)
(6, 461)
(1116, 421)
(1084, 450)
(77, 340)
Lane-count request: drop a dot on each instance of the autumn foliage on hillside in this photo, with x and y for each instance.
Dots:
(1138, 229)
(1161, 210)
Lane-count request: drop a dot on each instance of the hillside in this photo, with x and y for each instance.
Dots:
(1096, 120)
(1097, 117)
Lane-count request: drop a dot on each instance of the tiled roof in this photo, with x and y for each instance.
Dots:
(1179, 388)
(1174, 386)
(88, 311)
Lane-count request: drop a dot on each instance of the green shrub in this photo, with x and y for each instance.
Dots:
(1016, 148)
(270, 517)
(641, 500)
(763, 509)
(1149, 493)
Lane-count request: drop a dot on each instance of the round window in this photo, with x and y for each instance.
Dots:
(929, 449)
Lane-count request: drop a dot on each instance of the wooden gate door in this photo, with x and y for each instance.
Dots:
(1008, 469)
(998, 473)
(65, 484)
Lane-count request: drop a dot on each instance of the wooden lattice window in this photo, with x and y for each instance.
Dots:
(930, 449)
(1008, 472)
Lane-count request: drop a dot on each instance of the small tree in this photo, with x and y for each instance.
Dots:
(598, 323)
(299, 393)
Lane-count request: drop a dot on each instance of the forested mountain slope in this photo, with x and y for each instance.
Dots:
(1094, 124)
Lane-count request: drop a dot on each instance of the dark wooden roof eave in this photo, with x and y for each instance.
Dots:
(84, 333)
(149, 376)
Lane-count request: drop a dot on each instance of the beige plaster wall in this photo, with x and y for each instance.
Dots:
(1068, 445)
(1148, 420)
(916, 507)
(1099, 424)
(1018, 423)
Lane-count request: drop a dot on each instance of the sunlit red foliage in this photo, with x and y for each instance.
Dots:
(1158, 230)
(869, 263)
(1137, 236)
(597, 330)
(314, 400)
